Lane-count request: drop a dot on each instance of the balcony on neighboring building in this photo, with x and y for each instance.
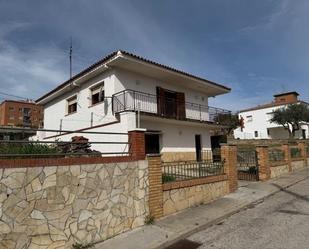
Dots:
(168, 105)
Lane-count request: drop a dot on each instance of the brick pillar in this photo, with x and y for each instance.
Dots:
(155, 186)
(287, 155)
(137, 144)
(302, 147)
(263, 162)
(229, 156)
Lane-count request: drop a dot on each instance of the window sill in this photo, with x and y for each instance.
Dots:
(69, 114)
(96, 104)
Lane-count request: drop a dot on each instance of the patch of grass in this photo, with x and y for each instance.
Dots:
(168, 178)
(149, 220)
(83, 246)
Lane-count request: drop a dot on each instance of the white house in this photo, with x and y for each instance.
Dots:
(257, 123)
(123, 92)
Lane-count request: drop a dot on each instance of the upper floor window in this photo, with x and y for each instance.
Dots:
(249, 118)
(72, 105)
(11, 108)
(97, 94)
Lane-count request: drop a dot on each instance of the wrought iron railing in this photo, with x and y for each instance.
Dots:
(276, 155)
(186, 170)
(129, 100)
(295, 152)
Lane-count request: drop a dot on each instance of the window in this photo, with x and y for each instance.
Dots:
(11, 108)
(256, 134)
(72, 105)
(97, 94)
(249, 118)
(11, 117)
(152, 143)
(270, 115)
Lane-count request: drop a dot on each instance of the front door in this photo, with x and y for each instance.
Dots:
(198, 148)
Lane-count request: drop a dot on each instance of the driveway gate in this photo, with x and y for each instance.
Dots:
(247, 165)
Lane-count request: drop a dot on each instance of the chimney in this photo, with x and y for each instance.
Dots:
(286, 98)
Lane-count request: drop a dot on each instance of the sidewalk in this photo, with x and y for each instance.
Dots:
(172, 228)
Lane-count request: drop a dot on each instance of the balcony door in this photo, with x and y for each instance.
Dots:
(171, 104)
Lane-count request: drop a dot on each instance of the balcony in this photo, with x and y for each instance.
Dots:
(129, 100)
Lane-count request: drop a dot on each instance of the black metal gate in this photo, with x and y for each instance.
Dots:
(247, 165)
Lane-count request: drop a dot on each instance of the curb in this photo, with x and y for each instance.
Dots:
(223, 217)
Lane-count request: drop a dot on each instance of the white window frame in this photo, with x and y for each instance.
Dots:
(99, 87)
(249, 118)
(70, 101)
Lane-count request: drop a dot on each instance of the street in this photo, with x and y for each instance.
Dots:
(281, 221)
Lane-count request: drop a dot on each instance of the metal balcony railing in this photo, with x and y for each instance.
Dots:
(129, 100)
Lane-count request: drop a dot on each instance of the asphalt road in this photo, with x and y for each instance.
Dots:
(280, 222)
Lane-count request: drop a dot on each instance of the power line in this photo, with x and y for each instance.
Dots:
(14, 96)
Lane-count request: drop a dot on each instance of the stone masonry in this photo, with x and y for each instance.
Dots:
(55, 207)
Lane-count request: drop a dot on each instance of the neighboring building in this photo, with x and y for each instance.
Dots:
(19, 114)
(123, 92)
(257, 123)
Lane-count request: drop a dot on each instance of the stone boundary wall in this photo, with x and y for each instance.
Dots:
(298, 164)
(177, 199)
(278, 170)
(57, 206)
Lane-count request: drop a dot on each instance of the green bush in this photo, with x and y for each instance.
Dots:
(295, 152)
(168, 178)
(28, 149)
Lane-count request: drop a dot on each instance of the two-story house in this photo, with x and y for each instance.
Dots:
(257, 123)
(123, 92)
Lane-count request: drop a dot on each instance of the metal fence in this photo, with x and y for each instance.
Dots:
(276, 155)
(247, 165)
(295, 152)
(79, 145)
(185, 170)
(129, 100)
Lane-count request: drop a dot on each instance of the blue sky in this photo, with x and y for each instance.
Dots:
(258, 48)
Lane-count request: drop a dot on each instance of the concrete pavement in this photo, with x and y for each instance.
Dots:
(280, 222)
(183, 224)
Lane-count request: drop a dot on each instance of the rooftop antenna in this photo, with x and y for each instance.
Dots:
(71, 50)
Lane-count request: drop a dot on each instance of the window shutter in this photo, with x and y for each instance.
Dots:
(181, 106)
(160, 101)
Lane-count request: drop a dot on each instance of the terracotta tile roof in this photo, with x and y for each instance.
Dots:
(105, 59)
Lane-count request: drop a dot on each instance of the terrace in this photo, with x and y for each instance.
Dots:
(171, 107)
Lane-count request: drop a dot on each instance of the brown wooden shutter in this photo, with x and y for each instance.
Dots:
(160, 101)
(181, 106)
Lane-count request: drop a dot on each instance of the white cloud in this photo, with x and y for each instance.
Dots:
(25, 72)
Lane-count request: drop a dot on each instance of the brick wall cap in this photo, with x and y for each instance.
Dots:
(138, 129)
(154, 155)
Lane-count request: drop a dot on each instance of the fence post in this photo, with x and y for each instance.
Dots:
(155, 186)
(137, 144)
(302, 147)
(229, 156)
(287, 155)
(263, 162)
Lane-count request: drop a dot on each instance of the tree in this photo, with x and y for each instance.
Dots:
(291, 117)
(230, 121)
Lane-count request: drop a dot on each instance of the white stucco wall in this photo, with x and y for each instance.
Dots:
(115, 81)
(260, 123)
(178, 138)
